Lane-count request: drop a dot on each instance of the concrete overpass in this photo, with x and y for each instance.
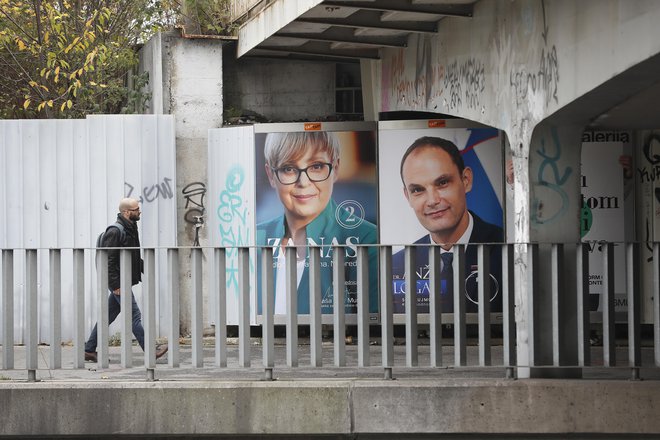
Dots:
(542, 71)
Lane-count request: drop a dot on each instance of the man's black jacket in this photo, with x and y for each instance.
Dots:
(112, 239)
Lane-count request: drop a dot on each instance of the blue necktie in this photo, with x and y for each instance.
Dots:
(447, 282)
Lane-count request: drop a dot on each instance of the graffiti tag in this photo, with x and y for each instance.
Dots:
(151, 193)
(550, 180)
(232, 215)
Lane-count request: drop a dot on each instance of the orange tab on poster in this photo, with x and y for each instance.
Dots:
(436, 123)
(312, 126)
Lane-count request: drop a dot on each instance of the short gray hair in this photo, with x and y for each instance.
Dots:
(282, 147)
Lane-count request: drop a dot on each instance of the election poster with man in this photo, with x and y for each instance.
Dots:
(440, 181)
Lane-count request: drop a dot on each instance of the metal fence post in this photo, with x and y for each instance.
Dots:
(149, 312)
(435, 309)
(79, 307)
(338, 286)
(55, 263)
(32, 314)
(386, 310)
(460, 339)
(173, 336)
(316, 348)
(483, 280)
(656, 302)
(291, 255)
(634, 309)
(411, 307)
(363, 305)
(244, 307)
(582, 271)
(197, 309)
(102, 307)
(607, 302)
(532, 312)
(125, 298)
(8, 309)
(557, 289)
(221, 307)
(508, 311)
(268, 310)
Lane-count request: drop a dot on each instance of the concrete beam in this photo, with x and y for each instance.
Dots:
(270, 20)
(330, 407)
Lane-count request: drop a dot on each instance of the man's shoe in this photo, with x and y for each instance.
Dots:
(161, 350)
(91, 356)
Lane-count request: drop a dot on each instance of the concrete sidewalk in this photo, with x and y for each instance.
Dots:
(304, 370)
(345, 402)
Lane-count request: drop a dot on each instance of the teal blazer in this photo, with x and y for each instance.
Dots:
(326, 230)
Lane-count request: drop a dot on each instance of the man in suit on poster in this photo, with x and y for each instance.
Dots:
(435, 183)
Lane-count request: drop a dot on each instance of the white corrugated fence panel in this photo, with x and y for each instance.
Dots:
(231, 207)
(61, 182)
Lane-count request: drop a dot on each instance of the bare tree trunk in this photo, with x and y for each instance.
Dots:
(37, 16)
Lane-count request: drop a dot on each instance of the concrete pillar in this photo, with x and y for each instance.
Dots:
(546, 205)
(186, 81)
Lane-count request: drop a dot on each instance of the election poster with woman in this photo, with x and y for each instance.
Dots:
(316, 186)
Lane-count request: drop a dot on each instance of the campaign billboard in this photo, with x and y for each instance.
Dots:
(603, 217)
(440, 182)
(315, 185)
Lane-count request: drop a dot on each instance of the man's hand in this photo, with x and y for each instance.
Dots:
(116, 292)
(626, 164)
(509, 172)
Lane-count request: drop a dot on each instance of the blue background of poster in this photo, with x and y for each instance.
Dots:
(481, 150)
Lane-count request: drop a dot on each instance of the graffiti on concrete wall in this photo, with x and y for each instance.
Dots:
(411, 77)
(464, 83)
(233, 226)
(150, 193)
(419, 78)
(460, 84)
(648, 180)
(193, 195)
(551, 199)
(423, 77)
(544, 78)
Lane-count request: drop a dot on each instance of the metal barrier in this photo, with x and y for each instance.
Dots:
(566, 303)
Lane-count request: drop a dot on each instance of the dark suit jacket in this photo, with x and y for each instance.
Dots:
(482, 232)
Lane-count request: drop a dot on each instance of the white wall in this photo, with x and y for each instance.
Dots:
(60, 186)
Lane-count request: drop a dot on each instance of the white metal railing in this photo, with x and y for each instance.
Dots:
(239, 8)
(562, 299)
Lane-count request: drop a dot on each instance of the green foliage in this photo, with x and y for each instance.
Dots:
(70, 58)
(208, 17)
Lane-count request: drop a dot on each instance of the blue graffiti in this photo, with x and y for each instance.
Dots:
(555, 182)
(233, 227)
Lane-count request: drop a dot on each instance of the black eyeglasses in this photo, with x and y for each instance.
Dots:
(316, 172)
(134, 209)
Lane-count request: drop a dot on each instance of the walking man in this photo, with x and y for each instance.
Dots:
(123, 234)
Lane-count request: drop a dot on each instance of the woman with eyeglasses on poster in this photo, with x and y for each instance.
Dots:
(302, 167)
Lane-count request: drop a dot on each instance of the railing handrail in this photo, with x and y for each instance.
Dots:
(556, 260)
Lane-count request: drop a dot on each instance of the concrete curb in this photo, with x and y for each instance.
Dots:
(330, 407)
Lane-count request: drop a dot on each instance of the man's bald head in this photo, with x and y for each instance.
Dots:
(127, 203)
(129, 208)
